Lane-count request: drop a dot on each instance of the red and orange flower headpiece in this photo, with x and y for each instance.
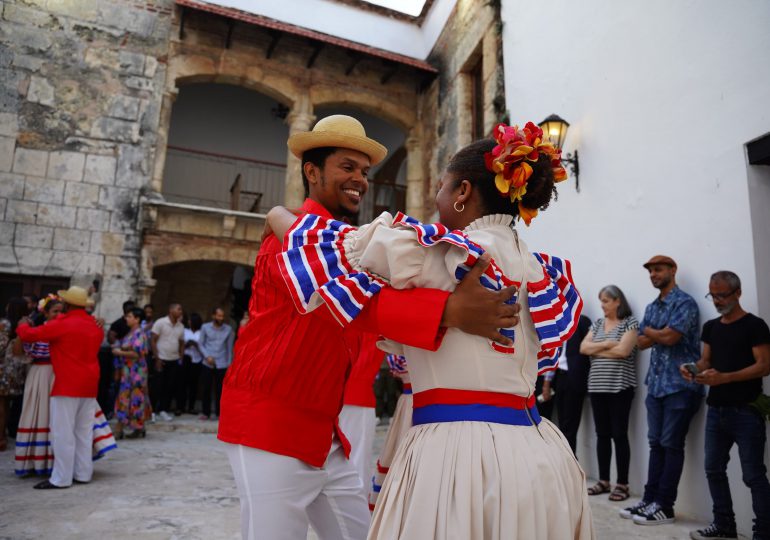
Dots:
(508, 161)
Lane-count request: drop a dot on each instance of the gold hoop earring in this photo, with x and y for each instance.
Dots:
(458, 210)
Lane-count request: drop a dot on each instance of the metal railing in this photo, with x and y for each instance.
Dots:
(206, 179)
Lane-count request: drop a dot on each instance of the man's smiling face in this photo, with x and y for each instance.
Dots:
(341, 183)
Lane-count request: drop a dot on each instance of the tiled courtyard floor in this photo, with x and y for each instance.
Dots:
(177, 484)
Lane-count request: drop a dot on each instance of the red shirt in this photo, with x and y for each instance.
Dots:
(283, 391)
(359, 386)
(74, 339)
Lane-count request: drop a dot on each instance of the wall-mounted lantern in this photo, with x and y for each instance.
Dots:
(555, 127)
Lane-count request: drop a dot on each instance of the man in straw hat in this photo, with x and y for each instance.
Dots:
(283, 392)
(74, 338)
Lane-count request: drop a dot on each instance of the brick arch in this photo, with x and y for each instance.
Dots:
(401, 116)
(191, 69)
(168, 248)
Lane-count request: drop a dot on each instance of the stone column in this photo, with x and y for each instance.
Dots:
(162, 141)
(299, 119)
(415, 204)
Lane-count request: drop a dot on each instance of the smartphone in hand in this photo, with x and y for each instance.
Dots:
(692, 368)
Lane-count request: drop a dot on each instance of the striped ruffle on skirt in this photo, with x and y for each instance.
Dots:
(34, 453)
(399, 425)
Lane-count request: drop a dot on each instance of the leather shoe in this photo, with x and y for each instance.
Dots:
(45, 484)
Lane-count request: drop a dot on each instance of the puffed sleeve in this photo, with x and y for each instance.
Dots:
(555, 306)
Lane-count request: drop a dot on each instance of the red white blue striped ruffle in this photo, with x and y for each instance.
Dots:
(397, 364)
(555, 306)
(316, 270)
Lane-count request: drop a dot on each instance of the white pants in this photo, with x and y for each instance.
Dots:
(72, 424)
(359, 424)
(281, 495)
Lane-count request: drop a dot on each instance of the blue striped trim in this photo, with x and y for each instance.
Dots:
(34, 443)
(407, 391)
(104, 450)
(100, 426)
(474, 412)
(40, 472)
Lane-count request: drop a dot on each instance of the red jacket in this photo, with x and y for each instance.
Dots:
(359, 386)
(283, 391)
(74, 339)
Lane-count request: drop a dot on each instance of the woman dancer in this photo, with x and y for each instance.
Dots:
(611, 343)
(130, 360)
(402, 421)
(478, 462)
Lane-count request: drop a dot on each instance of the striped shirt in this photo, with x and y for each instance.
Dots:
(611, 375)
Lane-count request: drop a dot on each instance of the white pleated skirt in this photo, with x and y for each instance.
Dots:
(481, 480)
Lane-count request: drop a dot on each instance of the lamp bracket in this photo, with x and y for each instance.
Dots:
(574, 167)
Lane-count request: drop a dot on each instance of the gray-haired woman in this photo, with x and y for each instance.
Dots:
(611, 343)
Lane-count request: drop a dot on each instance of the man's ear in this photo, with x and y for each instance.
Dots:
(311, 172)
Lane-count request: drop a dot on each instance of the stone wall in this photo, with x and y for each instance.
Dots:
(80, 96)
(473, 33)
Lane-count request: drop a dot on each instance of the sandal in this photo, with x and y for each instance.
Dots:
(599, 488)
(620, 493)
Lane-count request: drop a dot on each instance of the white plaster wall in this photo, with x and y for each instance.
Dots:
(662, 97)
(355, 24)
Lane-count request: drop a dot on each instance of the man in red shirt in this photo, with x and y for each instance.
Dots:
(284, 390)
(74, 339)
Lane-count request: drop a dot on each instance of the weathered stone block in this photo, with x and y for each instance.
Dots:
(124, 107)
(81, 194)
(115, 198)
(107, 243)
(8, 262)
(41, 91)
(25, 15)
(117, 266)
(24, 36)
(71, 240)
(150, 67)
(33, 260)
(6, 233)
(11, 186)
(99, 57)
(21, 211)
(9, 124)
(3, 204)
(33, 236)
(139, 83)
(133, 170)
(44, 190)
(124, 221)
(30, 162)
(76, 263)
(56, 216)
(66, 165)
(83, 10)
(116, 130)
(100, 169)
(92, 219)
(131, 62)
(28, 62)
(7, 145)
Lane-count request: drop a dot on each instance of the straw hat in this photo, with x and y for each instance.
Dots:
(338, 131)
(76, 296)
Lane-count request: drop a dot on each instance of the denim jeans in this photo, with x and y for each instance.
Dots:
(668, 419)
(746, 428)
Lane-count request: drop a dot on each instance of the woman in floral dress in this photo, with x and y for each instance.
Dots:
(131, 362)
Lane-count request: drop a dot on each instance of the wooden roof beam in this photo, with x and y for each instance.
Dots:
(273, 43)
(316, 51)
(355, 58)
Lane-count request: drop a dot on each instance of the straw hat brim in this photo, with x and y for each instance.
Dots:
(299, 143)
(73, 298)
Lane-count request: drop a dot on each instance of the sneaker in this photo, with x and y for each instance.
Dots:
(165, 416)
(713, 531)
(635, 510)
(203, 417)
(654, 514)
(153, 418)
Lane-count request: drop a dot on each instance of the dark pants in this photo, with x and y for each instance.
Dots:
(726, 426)
(212, 377)
(171, 385)
(107, 386)
(190, 374)
(668, 419)
(545, 409)
(386, 392)
(570, 395)
(611, 412)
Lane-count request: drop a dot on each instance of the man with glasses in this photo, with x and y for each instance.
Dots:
(670, 328)
(735, 358)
